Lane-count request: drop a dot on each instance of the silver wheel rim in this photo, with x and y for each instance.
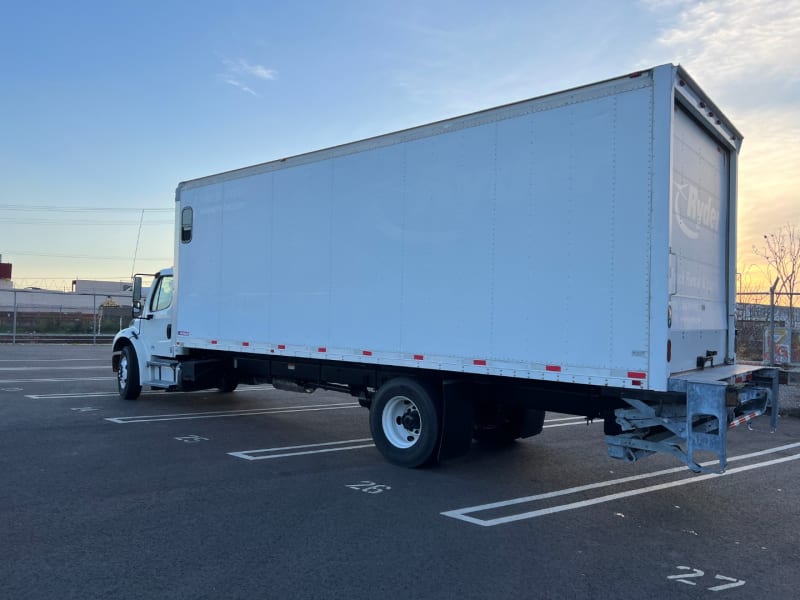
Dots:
(122, 374)
(401, 422)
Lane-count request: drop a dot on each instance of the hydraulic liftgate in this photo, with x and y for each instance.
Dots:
(711, 402)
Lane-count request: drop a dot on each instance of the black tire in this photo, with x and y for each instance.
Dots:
(128, 382)
(405, 422)
(229, 382)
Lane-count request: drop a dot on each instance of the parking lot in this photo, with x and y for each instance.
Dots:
(261, 493)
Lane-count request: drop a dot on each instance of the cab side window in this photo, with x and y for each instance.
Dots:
(162, 297)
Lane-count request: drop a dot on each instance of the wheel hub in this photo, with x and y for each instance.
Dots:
(401, 422)
(410, 420)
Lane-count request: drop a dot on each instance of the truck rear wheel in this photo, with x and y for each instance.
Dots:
(128, 382)
(228, 382)
(404, 419)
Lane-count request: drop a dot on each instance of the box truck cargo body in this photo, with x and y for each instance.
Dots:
(573, 252)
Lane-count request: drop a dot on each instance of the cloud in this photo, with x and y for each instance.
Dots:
(665, 4)
(242, 67)
(745, 54)
(244, 75)
(238, 84)
(731, 42)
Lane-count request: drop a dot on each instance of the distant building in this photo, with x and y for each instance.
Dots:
(5, 275)
(89, 286)
(86, 296)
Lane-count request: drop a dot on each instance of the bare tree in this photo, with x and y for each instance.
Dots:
(781, 250)
(749, 294)
(749, 286)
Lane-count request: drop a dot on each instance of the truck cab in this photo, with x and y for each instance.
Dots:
(145, 347)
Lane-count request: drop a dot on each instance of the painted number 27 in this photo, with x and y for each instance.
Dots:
(369, 487)
(697, 574)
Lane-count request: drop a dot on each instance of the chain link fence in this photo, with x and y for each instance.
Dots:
(756, 324)
(40, 316)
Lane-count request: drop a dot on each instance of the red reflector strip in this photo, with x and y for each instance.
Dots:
(419, 357)
(479, 362)
(637, 375)
(281, 346)
(636, 382)
(213, 341)
(322, 349)
(366, 352)
(744, 419)
(552, 368)
(245, 344)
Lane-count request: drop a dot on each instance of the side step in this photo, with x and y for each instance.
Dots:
(705, 407)
(162, 373)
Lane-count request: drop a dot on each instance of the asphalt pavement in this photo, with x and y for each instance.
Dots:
(267, 494)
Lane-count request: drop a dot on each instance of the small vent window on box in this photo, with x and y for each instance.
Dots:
(187, 219)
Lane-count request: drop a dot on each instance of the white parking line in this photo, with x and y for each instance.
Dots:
(232, 413)
(269, 453)
(30, 360)
(75, 395)
(565, 419)
(462, 513)
(250, 388)
(57, 380)
(79, 395)
(582, 421)
(105, 367)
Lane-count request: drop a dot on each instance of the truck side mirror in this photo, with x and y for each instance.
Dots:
(137, 295)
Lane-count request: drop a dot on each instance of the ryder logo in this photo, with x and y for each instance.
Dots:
(691, 212)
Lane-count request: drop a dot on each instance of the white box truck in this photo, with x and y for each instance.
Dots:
(573, 253)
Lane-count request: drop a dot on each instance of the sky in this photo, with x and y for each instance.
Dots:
(106, 106)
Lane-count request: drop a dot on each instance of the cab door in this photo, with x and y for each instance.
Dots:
(156, 324)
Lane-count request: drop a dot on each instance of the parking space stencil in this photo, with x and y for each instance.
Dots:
(697, 574)
(368, 487)
(192, 439)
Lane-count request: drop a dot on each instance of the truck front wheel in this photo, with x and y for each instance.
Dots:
(404, 418)
(128, 381)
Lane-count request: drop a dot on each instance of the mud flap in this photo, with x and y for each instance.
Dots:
(458, 413)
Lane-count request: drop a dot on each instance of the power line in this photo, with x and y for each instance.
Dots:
(84, 278)
(77, 256)
(51, 208)
(73, 222)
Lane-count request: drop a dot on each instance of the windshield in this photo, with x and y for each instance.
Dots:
(162, 296)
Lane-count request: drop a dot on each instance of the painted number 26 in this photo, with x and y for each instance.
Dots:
(369, 487)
